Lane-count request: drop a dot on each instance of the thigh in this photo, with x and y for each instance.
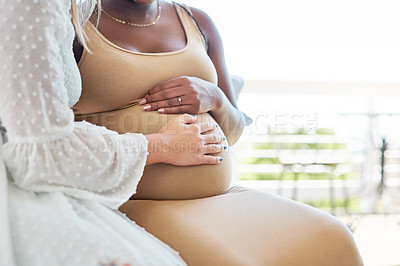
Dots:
(246, 227)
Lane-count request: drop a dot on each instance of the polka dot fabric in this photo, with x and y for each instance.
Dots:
(67, 179)
(47, 150)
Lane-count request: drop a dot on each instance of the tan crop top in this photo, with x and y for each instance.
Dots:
(114, 79)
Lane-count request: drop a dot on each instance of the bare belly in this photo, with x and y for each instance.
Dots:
(165, 181)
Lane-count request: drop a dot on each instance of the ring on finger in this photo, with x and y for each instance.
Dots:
(179, 100)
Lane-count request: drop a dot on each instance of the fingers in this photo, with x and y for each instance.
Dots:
(177, 110)
(172, 83)
(187, 119)
(164, 95)
(208, 159)
(214, 148)
(212, 139)
(172, 102)
(173, 106)
(206, 126)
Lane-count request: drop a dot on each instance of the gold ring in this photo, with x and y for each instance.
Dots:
(179, 100)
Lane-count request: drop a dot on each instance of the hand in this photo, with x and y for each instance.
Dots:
(181, 95)
(185, 143)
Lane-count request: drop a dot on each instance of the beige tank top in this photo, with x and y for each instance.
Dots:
(115, 79)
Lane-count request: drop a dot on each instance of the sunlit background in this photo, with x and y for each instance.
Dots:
(309, 40)
(322, 83)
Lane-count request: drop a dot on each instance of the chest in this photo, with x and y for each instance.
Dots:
(126, 63)
(167, 35)
(113, 78)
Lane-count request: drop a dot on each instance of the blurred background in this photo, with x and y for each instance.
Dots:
(322, 84)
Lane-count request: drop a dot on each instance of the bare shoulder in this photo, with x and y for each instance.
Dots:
(204, 20)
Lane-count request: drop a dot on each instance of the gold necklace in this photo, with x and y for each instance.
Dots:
(134, 24)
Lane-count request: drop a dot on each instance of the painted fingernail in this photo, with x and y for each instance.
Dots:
(143, 101)
(225, 147)
(216, 125)
(194, 115)
(161, 110)
(223, 138)
(147, 107)
(221, 159)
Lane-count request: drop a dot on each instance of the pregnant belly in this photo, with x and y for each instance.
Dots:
(165, 181)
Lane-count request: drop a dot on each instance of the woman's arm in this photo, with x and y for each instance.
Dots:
(201, 96)
(225, 110)
(47, 151)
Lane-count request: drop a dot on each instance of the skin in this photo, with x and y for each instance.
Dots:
(198, 96)
(181, 142)
(185, 132)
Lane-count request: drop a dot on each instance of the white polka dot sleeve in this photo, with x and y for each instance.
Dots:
(47, 151)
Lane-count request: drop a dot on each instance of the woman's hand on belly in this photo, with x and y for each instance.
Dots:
(181, 95)
(170, 182)
(181, 142)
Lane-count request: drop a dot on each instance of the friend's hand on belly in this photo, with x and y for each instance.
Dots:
(185, 143)
(165, 181)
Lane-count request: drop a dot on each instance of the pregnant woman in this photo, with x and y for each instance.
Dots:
(150, 60)
(129, 62)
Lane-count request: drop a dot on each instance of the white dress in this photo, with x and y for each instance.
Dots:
(59, 204)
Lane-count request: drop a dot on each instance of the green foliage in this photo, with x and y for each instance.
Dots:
(325, 131)
(290, 146)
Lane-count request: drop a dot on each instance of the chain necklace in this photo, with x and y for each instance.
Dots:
(134, 24)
